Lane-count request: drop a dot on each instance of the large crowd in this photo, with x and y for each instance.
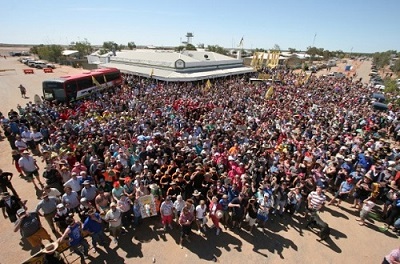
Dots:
(230, 153)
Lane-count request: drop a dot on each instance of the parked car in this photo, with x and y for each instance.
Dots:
(40, 64)
(378, 97)
(50, 65)
(31, 63)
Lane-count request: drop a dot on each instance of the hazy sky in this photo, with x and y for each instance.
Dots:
(364, 25)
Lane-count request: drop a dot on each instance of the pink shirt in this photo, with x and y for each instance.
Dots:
(395, 254)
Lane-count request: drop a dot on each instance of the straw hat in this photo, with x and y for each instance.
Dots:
(50, 248)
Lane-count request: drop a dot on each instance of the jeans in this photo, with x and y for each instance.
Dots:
(98, 237)
(82, 249)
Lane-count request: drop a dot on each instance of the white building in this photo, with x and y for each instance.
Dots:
(169, 65)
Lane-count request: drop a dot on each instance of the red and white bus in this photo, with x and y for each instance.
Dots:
(74, 87)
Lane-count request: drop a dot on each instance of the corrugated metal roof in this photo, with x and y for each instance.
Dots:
(173, 76)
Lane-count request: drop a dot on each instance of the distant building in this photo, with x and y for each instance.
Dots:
(169, 65)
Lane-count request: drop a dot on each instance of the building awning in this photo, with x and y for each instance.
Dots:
(174, 76)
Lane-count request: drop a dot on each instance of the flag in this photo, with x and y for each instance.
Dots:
(95, 82)
(269, 93)
(151, 73)
(241, 42)
(208, 86)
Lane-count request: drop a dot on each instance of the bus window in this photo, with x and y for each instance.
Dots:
(71, 90)
(85, 83)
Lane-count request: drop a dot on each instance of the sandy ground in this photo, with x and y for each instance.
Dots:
(285, 241)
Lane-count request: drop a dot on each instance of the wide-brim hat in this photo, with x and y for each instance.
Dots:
(153, 186)
(393, 186)
(50, 248)
(368, 176)
(196, 193)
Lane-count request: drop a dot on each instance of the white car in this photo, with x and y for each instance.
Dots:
(380, 86)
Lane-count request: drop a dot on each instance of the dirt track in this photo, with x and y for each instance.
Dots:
(286, 240)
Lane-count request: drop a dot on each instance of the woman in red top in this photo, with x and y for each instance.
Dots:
(215, 210)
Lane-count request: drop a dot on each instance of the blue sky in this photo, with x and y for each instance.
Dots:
(364, 25)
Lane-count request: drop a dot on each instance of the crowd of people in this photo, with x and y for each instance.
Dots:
(230, 153)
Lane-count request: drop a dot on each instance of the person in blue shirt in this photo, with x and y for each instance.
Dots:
(74, 235)
(225, 217)
(93, 224)
(345, 188)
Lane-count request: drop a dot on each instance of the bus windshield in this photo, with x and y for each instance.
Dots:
(53, 91)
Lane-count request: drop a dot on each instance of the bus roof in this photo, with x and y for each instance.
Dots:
(94, 72)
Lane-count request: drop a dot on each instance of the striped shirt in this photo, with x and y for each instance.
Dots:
(316, 200)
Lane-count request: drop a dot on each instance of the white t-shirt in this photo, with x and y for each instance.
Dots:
(27, 164)
(201, 211)
(111, 215)
(74, 184)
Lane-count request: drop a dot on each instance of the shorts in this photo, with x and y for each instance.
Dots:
(262, 217)
(251, 221)
(363, 214)
(30, 174)
(36, 239)
(166, 219)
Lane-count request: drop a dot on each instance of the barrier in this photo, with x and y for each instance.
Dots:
(48, 70)
(29, 71)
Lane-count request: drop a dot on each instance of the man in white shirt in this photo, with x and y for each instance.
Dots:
(28, 164)
(74, 182)
(201, 211)
(114, 218)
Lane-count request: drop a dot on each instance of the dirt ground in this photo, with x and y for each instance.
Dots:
(285, 241)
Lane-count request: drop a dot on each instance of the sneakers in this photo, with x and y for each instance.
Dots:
(217, 232)
(165, 228)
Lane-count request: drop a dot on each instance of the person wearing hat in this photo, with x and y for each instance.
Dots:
(47, 208)
(93, 224)
(51, 255)
(52, 177)
(5, 182)
(9, 205)
(28, 164)
(78, 168)
(264, 206)
(215, 207)
(114, 218)
(89, 192)
(73, 234)
(30, 227)
(74, 182)
(61, 216)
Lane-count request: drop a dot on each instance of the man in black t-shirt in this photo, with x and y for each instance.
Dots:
(9, 205)
(5, 182)
(238, 206)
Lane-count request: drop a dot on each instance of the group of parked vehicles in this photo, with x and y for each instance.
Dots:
(36, 63)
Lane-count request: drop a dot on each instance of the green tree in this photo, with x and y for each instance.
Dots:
(396, 66)
(276, 48)
(131, 45)
(51, 53)
(381, 59)
(84, 47)
(217, 49)
(190, 47)
(292, 50)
